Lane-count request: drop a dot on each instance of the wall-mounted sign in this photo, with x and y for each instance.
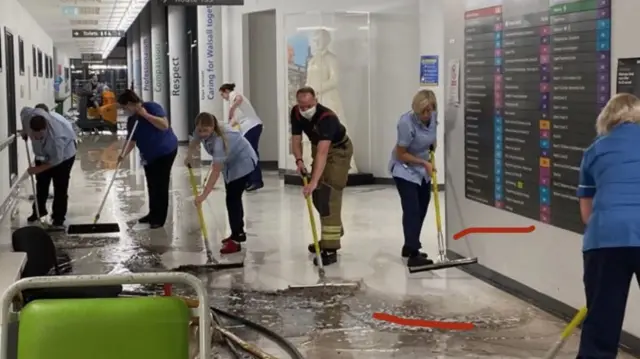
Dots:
(92, 58)
(627, 76)
(429, 75)
(201, 2)
(97, 33)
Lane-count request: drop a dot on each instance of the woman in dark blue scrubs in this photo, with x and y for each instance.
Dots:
(609, 192)
(158, 147)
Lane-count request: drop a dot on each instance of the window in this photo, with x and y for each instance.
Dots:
(40, 64)
(47, 67)
(21, 55)
(53, 70)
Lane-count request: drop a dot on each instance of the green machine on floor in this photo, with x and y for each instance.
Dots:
(105, 328)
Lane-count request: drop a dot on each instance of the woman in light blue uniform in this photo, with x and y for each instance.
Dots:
(609, 192)
(411, 170)
(233, 156)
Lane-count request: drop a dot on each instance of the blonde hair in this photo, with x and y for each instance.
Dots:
(423, 100)
(205, 119)
(623, 107)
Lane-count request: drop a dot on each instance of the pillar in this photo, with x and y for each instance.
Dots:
(159, 67)
(145, 53)
(210, 62)
(135, 37)
(129, 58)
(178, 47)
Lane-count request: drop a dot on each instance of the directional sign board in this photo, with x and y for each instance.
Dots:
(201, 2)
(97, 33)
(91, 58)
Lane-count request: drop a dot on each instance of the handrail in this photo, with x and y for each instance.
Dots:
(7, 142)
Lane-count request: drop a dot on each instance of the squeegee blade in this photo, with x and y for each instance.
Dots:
(444, 264)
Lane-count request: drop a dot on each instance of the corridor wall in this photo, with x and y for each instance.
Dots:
(29, 89)
(545, 265)
(394, 69)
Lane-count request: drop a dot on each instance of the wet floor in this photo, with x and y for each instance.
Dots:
(333, 324)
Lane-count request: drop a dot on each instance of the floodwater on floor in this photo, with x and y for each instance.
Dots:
(321, 323)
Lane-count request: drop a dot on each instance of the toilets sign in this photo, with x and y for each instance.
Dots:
(201, 2)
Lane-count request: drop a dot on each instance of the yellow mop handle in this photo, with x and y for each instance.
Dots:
(434, 185)
(194, 189)
(312, 218)
(582, 313)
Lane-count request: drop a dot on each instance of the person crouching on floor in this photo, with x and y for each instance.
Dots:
(232, 155)
(609, 193)
(54, 145)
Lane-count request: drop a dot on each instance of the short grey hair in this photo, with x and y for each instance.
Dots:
(621, 108)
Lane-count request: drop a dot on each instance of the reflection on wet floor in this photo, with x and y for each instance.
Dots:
(322, 324)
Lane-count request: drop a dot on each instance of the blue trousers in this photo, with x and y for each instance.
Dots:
(253, 136)
(414, 199)
(607, 277)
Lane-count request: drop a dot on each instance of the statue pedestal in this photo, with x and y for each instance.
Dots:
(355, 179)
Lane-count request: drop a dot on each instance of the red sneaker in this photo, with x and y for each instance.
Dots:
(230, 247)
(239, 238)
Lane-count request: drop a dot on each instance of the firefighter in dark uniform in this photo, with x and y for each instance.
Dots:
(331, 150)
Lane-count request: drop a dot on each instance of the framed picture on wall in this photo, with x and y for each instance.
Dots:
(21, 55)
(34, 61)
(40, 64)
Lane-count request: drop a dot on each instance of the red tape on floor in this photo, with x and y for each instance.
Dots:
(423, 323)
(493, 230)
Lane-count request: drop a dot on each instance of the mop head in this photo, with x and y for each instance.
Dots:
(444, 264)
(93, 228)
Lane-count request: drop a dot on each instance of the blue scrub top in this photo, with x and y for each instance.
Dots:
(151, 141)
(610, 174)
(417, 137)
(239, 160)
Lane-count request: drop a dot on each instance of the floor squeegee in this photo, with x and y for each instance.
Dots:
(442, 260)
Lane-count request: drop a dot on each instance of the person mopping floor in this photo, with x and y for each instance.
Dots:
(331, 150)
(54, 145)
(232, 155)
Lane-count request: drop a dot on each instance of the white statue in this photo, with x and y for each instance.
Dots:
(322, 76)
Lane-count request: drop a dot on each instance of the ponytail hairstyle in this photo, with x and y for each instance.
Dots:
(128, 97)
(205, 119)
(230, 87)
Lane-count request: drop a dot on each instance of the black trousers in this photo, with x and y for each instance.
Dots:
(158, 175)
(415, 202)
(253, 136)
(607, 279)
(235, 209)
(60, 176)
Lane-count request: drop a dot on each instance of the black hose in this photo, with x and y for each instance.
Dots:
(276, 338)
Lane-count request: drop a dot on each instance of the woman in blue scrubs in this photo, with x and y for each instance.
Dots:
(609, 192)
(158, 147)
(234, 157)
(411, 169)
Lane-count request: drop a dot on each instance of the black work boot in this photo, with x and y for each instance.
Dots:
(328, 257)
(418, 260)
(406, 253)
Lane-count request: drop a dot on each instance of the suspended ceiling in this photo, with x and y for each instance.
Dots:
(59, 17)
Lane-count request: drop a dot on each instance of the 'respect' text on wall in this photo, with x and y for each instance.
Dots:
(208, 74)
(176, 78)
